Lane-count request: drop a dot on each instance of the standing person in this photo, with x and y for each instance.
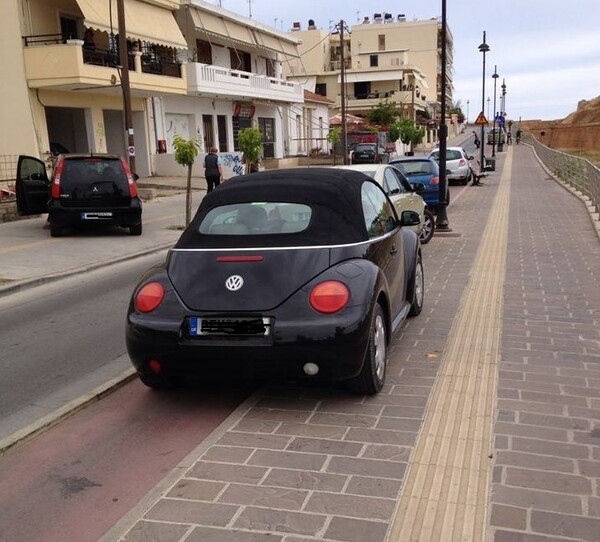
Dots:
(213, 170)
(518, 136)
(476, 140)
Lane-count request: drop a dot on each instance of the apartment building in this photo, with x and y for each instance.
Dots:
(195, 70)
(385, 58)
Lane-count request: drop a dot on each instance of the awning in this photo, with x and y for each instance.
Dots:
(143, 21)
(233, 31)
(365, 76)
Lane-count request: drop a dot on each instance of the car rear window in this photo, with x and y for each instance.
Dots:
(414, 167)
(364, 147)
(102, 175)
(256, 218)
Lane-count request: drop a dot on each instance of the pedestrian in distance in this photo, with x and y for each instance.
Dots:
(213, 170)
(476, 139)
(518, 134)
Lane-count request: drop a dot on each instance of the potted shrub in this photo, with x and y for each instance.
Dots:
(250, 140)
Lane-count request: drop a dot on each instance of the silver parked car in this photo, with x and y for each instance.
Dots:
(457, 164)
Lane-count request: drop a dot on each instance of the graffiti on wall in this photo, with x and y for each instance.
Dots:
(232, 164)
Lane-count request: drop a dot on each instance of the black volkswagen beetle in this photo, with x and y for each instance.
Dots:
(296, 273)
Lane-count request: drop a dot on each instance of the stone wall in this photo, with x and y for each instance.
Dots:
(568, 137)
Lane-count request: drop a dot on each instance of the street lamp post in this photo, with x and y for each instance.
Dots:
(495, 76)
(483, 48)
(467, 111)
(502, 111)
(488, 109)
(441, 219)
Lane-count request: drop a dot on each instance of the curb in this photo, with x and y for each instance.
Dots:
(36, 281)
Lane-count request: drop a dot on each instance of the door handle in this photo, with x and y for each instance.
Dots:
(393, 250)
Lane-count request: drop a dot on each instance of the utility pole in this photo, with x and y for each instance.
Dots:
(343, 94)
(124, 61)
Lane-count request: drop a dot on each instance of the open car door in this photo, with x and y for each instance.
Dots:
(33, 186)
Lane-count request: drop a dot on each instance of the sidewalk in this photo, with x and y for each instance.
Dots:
(488, 427)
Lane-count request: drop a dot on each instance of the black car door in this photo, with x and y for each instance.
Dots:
(387, 251)
(32, 187)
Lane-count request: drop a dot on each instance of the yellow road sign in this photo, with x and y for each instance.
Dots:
(481, 119)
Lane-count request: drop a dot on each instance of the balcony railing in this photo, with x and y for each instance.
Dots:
(210, 79)
(150, 63)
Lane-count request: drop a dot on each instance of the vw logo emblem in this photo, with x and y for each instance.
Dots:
(234, 283)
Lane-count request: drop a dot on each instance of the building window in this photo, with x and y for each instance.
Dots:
(240, 60)
(374, 61)
(203, 52)
(381, 42)
(321, 89)
(270, 63)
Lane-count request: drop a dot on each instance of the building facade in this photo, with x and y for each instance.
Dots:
(384, 58)
(195, 70)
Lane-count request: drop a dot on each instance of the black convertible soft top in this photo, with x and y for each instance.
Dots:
(334, 196)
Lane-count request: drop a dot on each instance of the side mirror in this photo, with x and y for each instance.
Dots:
(417, 187)
(471, 157)
(410, 218)
(135, 176)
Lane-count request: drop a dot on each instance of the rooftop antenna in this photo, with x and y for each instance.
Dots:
(358, 15)
(250, 9)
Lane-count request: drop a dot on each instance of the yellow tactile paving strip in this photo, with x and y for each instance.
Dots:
(445, 494)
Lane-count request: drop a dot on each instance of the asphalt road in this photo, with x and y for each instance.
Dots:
(62, 339)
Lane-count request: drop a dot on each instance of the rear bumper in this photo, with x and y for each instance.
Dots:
(337, 349)
(62, 216)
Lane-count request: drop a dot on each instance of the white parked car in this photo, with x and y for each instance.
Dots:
(402, 194)
(457, 164)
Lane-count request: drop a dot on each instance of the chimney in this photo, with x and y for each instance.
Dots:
(387, 18)
(311, 24)
(401, 17)
(377, 17)
(366, 20)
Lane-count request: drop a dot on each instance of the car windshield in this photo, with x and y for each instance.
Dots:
(364, 147)
(256, 218)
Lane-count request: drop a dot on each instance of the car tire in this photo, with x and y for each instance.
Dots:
(371, 378)
(428, 227)
(56, 231)
(136, 229)
(418, 289)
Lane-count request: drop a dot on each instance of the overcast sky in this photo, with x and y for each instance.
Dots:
(548, 51)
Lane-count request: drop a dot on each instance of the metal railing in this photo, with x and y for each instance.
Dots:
(575, 171)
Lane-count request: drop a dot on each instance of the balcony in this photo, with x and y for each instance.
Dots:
(52, 64)
(215, 81)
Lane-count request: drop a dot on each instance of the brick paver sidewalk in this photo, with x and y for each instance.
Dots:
(488, 427)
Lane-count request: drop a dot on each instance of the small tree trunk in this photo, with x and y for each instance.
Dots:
(188, 197)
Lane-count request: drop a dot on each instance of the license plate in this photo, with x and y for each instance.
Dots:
(201, 327)
(96, 215)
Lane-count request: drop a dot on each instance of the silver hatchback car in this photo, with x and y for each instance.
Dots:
(457, 164)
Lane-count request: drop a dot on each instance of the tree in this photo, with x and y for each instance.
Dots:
(410, 134)
(185, 154)
(250, 141)
(334, 136)
(384, 113)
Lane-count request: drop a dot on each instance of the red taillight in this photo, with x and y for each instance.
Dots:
(434, 180)
(329, 297)
(130, 179)
(55, 189)
(149, 297)
(154, 366)
(462, 162)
